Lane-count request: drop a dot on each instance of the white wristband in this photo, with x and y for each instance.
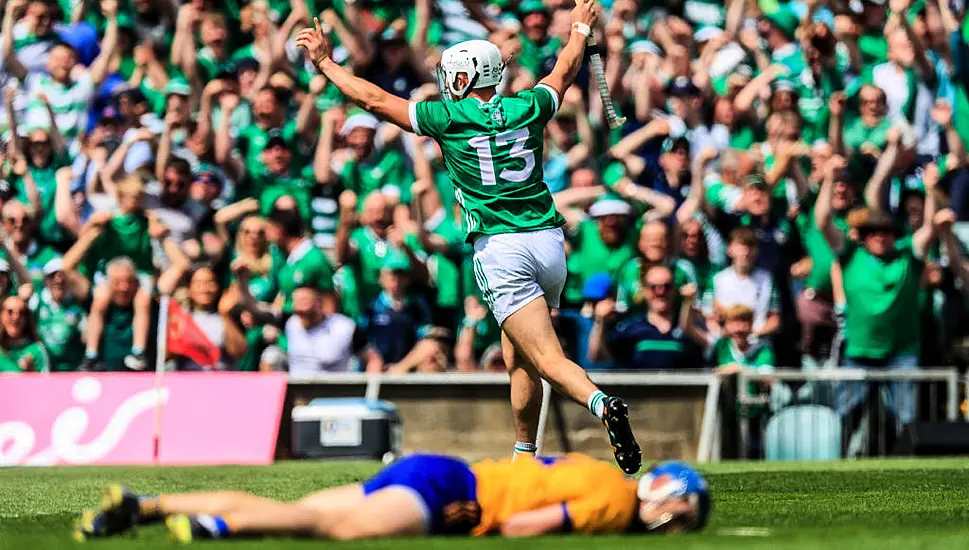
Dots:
(582, 28)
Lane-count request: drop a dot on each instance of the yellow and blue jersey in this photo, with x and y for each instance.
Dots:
(460, 499)
(595, 496)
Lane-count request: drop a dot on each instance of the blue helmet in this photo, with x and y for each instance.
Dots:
(676, 479)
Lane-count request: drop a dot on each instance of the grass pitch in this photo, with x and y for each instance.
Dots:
(878, 505)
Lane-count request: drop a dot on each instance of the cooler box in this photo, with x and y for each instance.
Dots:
(346, 428)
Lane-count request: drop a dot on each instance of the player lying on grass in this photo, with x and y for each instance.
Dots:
(428, 494)
(493, 148)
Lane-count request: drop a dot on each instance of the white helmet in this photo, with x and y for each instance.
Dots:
(479, 59)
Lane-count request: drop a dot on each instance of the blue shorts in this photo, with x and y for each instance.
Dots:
(446, 487)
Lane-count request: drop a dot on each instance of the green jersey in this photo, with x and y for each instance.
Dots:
(493, 153)
(36, 352)
(306, 264)
(60, 326)
(758, 356)
(881, 313)
(117, 338)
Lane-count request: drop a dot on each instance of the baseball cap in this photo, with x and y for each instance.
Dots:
(785, 20)
(207, 173)
(756, 180)
(395, 261)
(682, 86)
(178, 86)
(706, 33)
(53, 266)
(643, 45)
(359, 120)
(610, 205)
(671, 143)
(532, 6)
(275, 137)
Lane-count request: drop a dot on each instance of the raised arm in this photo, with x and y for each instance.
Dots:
(836, 135)
(56, 138)
(693, 331)
(324, 148)
(368, 96)
(568, 201)
(822, 207)
(877, 188)
(64, 209)
(569, 61)
(695, 201)
(100, 66)
(950, 247)
(922, 62)
(925, 235)
(942, 115)
(661, 204)
(12, 65)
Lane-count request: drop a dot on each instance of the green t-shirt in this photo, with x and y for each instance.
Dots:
(371, 251)
(857, 134)
(385, 170)
(305, 265)
(124, 235)
(252, 141)
(273, 189)
(35, 350)
(493, 153)
(759, 356)
(263, 286)
(881, 313)
(591, 256)
(60, 327)
(874, 48)
(7, 364)
(48, 230)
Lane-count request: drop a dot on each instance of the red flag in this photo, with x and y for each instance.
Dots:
(185, 338)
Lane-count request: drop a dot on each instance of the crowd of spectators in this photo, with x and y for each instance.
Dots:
(788, 190)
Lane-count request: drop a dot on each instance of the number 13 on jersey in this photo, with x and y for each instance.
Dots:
(486, 163)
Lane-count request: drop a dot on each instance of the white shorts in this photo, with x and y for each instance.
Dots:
(513, 269)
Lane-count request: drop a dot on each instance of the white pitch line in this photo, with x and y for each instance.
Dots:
(745, 532)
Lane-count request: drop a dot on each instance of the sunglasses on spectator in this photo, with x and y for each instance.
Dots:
(39, 143)
(17, 220)
(259, 232)
(13, 310)
(660, 287)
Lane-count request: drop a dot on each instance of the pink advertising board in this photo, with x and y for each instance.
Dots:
(205, 418)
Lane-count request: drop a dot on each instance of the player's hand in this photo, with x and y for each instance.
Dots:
(605, 309)
(584, 12)
(314, 42)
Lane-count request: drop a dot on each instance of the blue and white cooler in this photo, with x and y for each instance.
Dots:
(346, 428)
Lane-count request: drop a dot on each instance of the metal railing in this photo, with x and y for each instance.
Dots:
(838, 413)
